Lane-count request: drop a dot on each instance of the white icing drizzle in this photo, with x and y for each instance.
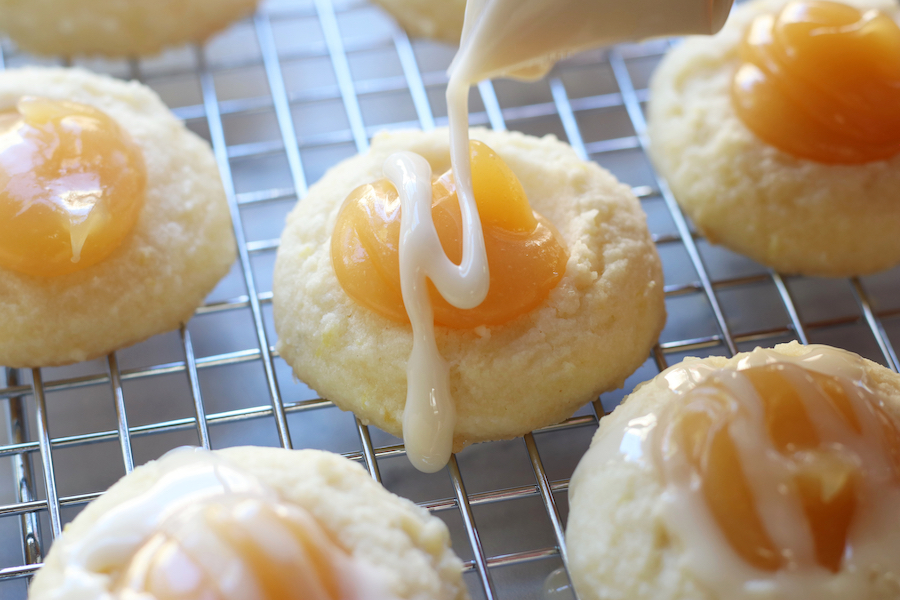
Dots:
(430, 414)
(129, 536)
(873, 543)
(429, 417)
(523, 38)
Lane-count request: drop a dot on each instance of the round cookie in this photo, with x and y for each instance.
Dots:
(621, 546)
(114, 27)
(595, 328)
(792, 214)
(407, 547)
(441, 21)
(180, 247)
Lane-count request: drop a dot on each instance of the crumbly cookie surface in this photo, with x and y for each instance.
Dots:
(441, 20)
(180, 247)
(619, 545)
(795, 215)
(595, 329)
(409, 548)
(113, 27)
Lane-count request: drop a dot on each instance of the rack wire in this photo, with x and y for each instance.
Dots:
(282, 96)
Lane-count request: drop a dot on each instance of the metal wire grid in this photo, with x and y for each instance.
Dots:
(712, 276)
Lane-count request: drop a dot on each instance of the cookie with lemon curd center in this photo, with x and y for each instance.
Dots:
(113, 220)
(251, 522)
(776, 470)
(505, 378)
(771, 131)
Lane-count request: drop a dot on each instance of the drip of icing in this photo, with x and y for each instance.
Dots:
(191, 479)
(430, 414)
(874, 536)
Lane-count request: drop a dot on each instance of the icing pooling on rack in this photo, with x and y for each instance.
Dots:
(207, 529)
(856, 442)
(499, 37)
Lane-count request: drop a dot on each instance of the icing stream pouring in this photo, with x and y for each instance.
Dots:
(523, 39)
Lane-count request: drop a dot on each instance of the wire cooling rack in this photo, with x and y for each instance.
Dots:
(281, 97)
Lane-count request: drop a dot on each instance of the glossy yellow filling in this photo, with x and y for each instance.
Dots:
(826, 480)
(233, 547)
(71, 186)
(526, 255)
(821, 80)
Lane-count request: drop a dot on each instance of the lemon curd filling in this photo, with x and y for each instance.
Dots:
(72, 184)
(526, 255)
(829, 448)
(236, 547)
(821, 81)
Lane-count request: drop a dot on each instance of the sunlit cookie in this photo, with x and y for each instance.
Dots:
(425, 18)
(814, 189)
(594, 329)
(774, 474)
(251, 523)
(88, 276)
(113, 27)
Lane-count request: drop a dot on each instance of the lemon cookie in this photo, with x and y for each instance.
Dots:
(779, 135)
(113, 220)
(115, 28)
(509, 374)
(247, 523)
(441, 21)
(774, 474)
